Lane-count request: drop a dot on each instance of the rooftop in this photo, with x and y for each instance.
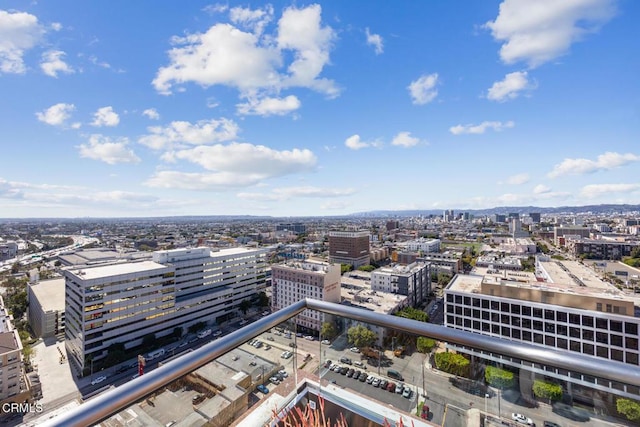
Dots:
(117, 269)
(50, 294)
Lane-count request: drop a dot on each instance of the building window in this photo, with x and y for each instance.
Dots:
(598, 306)
(485, 303)
(537, 325)
(562, 316)
(587, 321)
(631, 328)
(602, 337)
(632, 358)
(550, 327)
(537, 312)
(495, 305)
(562, 343)
(575, 346)
(615, 326)
(504, 307)
(602, 323)
(616, 340)
(549, 315)
(588, 348)
(574, 319)
(587, 334)
(537, 338)
(602, 352)
(526, 336)
(476, 325)
(505, 332)
(631, 343)
(515, 309)
(574, 332)
(617, 355)
(515, 333)
(549, 340)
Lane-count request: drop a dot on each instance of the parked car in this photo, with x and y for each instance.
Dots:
(359, 364)
(383, 384)
(391, 387)
(550, 424)
(375, 382)
(519, 418)
(344, 370)
(363, 377)
(283, 373)
(274, 380)
(326, 342)
(345, 360)
(370, 379)
(350, 372)
(98, 380)
(407, 392)
(262, 388)
(399, 388)
(267, 347)
(424, 414)
(355, 349)
(328, 364)
(270, 338)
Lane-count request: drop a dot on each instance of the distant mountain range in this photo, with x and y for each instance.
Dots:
(568, 210)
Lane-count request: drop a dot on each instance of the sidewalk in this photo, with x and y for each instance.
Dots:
(58, 383)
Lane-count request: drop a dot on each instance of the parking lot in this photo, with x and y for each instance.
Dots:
(395, 399)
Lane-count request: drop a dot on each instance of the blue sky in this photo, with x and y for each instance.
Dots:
(147, 108)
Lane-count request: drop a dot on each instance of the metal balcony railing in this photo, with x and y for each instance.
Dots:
(113, 401)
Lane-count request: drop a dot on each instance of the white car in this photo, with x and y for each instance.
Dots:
(325, 342)
(519, 418)
(355, 349)
(98, 380)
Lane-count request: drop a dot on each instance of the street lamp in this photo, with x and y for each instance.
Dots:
(485, 404)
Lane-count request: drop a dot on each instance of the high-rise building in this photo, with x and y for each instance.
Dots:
(297, 280)
(296, 227)
(535, 217)
(124, 302)
(349, 247)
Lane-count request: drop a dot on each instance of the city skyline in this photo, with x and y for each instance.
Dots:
(316, 109)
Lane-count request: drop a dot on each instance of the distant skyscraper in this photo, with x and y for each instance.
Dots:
(535, 217)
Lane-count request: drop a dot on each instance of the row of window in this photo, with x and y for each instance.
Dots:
(546, 314)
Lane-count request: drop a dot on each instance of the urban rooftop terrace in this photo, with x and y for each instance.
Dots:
(111, 402)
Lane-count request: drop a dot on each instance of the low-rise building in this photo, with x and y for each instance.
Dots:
(46, 309)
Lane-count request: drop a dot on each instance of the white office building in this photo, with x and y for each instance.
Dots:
(413, 281)
(563, 307)
(424, 245)
(124, 302)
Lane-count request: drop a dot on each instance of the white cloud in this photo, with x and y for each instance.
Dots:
(541, 189)
(56, 115)
(226, 55)
(375, 40)
(355, 143)
(249, 159)
(19, 32)
(151, 113)
(300, 30)
(105, 116)
(510, 87)
(208, 181)
(52, 63)
(179, 133)
(282, 194)
(539, 31)
(606, 161)
(519, 179)
(56, 26)
(269, 106)
(596, 190)
(404, 139)
(252, 19)
(481, 128)
(423, 90)
(109, 151)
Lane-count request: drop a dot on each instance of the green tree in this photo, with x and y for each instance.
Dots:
(263, 300)
(413, 313)
(547, 390)
(345, 268)
(629, 408)
(425, 344)
(360, 336)
(245, 304)
(15, 268)
(453, 363)
(328, 331)
(498, 377)
(367, 268)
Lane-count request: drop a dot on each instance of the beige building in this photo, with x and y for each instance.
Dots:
(46, 307)
(297, 280)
